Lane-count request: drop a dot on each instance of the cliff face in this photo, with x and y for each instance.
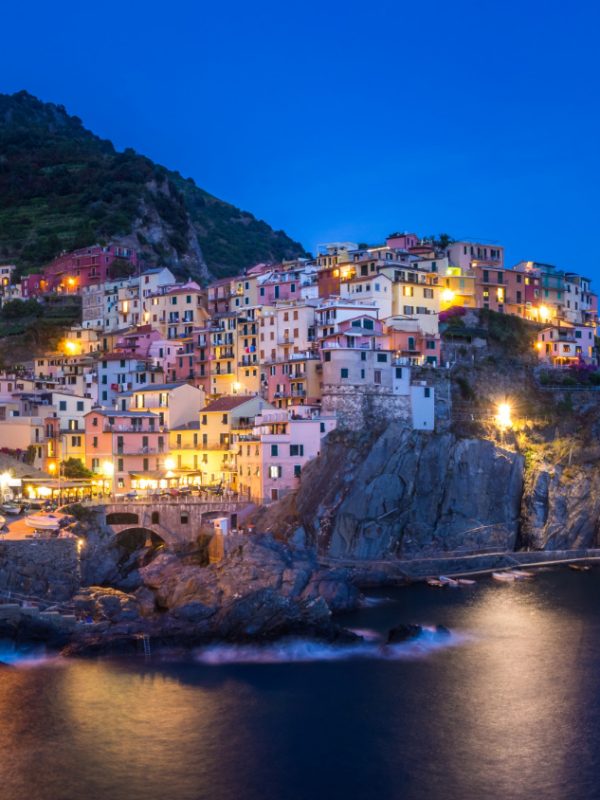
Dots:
(561, 507)
(412, 494)
(404, 494)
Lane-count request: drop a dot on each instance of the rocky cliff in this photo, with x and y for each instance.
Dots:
(404, 494)
(411, 494)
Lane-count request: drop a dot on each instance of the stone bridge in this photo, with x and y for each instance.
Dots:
(175, 522)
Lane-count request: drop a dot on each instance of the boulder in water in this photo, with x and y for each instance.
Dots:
(403, 633)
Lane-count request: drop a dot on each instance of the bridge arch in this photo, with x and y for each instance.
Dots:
(139, 536)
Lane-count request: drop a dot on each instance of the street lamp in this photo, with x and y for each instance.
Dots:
(503, 416)
(108, 470)
(448, 296)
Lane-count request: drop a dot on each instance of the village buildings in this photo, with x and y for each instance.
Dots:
(167, 383)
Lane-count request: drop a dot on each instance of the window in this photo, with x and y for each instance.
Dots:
(224, 419)
(184, 518)
(343, 373)
(398, 373)
(62, 405)
(327, 356)
(274, 449)
(297, 470)
(382, 358)
(296, 449)
(427, 392)
(80, 405)
(275, 472)
(430, 344)
(377, 376)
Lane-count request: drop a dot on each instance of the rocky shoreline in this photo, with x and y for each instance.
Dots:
(262, 591)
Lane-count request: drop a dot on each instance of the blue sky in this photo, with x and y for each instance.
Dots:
(345, 120)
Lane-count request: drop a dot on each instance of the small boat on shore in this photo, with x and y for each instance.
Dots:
(446, 581)
(580, 567)
(521, 574)
(12, 509)
(43, 522)
(434, 582)
(466, 582)
(503, 577)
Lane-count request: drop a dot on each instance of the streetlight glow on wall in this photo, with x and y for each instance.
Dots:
(544, 312)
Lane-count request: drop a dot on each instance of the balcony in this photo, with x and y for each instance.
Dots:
(133, 450)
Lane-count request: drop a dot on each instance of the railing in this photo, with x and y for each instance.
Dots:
(130, 450)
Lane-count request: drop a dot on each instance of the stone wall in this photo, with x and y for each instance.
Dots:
(40, 568)
(359, 407)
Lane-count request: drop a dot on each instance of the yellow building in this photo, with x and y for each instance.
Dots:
(247, 379)
(221, 422)
(176, 311)
(457, 289)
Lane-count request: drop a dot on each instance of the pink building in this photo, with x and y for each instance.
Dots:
(470, 254)
(565, 344)
(402, 241)
(137, 342)
(124, 448)
(88, 266)
(281, 285)
(271, 459)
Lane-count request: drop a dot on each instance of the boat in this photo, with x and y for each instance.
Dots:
(580, 567)
(434, 582)
(520, 574)
(446, 581)
(466, 582)
(503, 577)
(12, 509)
(43, 522)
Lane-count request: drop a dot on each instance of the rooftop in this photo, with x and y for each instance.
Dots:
(228, 402)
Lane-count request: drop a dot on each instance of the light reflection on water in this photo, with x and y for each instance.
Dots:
(509, 710)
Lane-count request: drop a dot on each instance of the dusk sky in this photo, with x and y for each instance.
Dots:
(344, 120)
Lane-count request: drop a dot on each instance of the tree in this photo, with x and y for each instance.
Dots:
(17, 309)
(75, 468)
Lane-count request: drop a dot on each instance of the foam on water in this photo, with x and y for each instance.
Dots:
(302, 650)
(370, 602)
(21, 656)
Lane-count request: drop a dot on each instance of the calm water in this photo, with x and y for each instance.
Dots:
(509, 708)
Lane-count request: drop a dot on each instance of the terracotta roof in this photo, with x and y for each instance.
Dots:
(228, 402)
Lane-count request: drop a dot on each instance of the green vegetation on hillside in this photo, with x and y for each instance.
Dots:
(62, 187)
(28, 328)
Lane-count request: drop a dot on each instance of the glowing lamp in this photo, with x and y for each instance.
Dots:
(448, 296)
(169, 464)
(108, 469)
(544, 312)
(503, 416)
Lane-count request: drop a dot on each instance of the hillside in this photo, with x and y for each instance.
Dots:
(62, 187)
